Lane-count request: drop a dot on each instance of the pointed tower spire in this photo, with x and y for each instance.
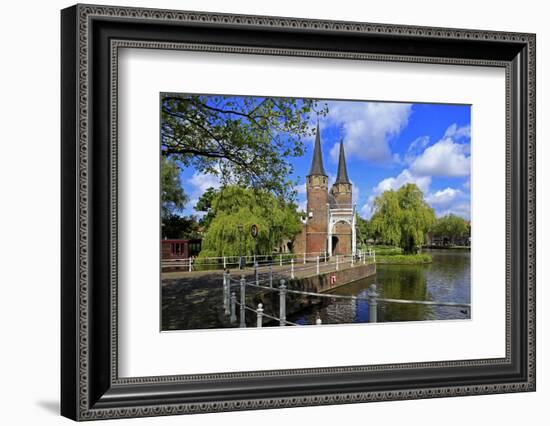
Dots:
(342, 176)
(317, 162)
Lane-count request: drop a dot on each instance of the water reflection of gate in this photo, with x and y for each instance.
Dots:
(231, 286)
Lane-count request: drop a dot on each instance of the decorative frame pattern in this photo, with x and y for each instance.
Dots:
(91, 388)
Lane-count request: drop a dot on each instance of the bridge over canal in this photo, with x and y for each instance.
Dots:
(271, 292)
(192, 299)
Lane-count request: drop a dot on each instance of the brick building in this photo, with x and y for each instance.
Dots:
(330, 218)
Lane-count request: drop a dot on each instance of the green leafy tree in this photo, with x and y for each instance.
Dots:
(243, 140)
(204, 204)
(385, 223)
(362, 231)
(417, 217)
(402, 217)
(173, 198)
(451, 227)
(184, 227)
(234, 206)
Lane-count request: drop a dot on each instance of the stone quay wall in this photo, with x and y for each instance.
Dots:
(330, 280)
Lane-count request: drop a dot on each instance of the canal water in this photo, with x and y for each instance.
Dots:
(446, 279)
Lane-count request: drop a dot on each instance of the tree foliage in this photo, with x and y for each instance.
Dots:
(362, 231)
(176, 227)
(204, 205)
(173, 198)
(402, 217)
(450, 226)
(233, 206)
(242, 140)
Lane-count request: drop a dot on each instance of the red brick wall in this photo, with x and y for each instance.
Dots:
(342, 231)
(299, 245)
(316, 227)
(342, 194)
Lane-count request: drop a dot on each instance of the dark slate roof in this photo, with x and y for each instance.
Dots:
(342, 176)
(317, 162)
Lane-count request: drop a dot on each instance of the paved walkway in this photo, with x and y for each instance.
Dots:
(194, 300)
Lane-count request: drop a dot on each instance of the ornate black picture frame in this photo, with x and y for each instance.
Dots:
(91, 388)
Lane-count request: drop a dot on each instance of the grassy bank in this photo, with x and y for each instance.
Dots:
(403, 259)
(448, 247)
(386, 250)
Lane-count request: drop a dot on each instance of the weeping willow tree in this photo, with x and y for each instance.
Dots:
(234, 208)
(385, 222)
(402, 217)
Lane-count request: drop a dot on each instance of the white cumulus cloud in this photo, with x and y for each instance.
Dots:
(461, 209)
(419, 144)
(201, 182)
(457, 133)
(368, 128)
(443, 198)
(450, 201)
(423, 182)
(445, 158)
(367, 210)
(449, 157)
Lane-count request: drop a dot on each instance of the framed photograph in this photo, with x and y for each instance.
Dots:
(265, 212)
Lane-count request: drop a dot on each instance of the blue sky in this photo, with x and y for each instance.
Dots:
(387, 145)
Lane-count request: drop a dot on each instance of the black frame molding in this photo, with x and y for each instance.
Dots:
(90, 38)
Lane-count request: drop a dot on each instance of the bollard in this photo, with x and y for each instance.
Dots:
(224, 262)
(292, 268)
(304, 258)
(233, 317)
(260, 313)
(256, 273)
(282, 303)
(280, 260)
(372, 295)
(270, 275)
(190, 264)
(317, 265)
(325, 257)
(336, 262)
(318, 320)
(243, 302)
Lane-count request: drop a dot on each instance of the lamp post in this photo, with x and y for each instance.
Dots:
(241, 228)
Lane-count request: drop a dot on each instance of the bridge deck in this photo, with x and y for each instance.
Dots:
(193, 300)
(300, 270)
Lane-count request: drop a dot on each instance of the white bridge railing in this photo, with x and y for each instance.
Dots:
(224, 262)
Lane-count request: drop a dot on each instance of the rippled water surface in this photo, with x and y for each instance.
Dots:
(447, 279)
